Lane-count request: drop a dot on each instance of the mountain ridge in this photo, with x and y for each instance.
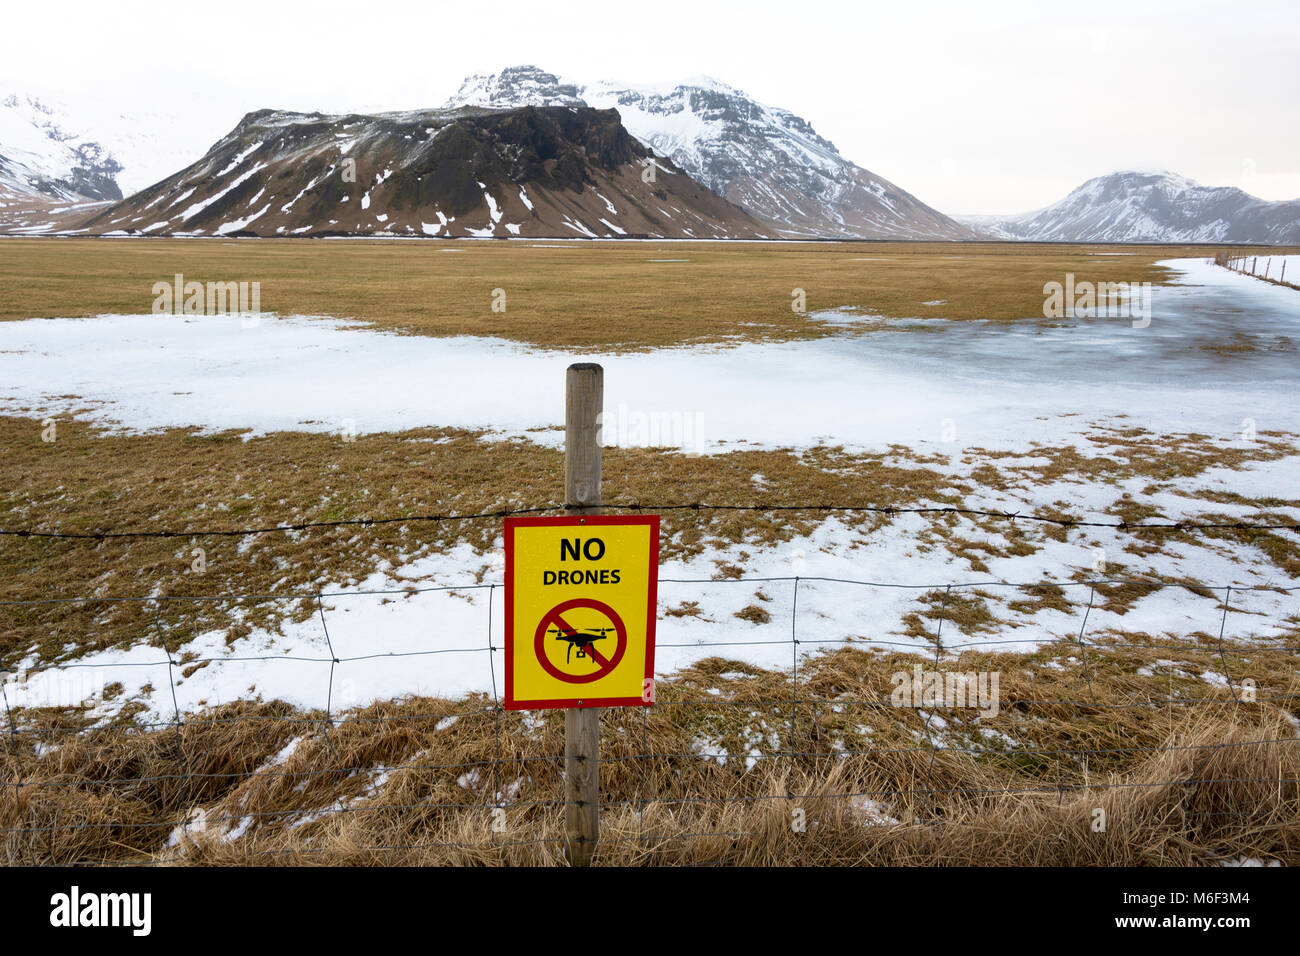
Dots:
(533, 171)
(772, 175)
(42, 159)
(1151, 206)
(767, 160)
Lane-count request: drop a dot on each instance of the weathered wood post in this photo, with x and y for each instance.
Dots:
(584, 401)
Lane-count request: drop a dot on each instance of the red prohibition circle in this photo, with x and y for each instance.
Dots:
(553, 618)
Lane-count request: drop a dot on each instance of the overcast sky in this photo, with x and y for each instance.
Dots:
(993, 107)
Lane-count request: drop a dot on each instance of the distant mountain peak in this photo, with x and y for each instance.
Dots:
(1136, 179)
(63, 148)
(767, 160)
(778, 176)
(553, 171)
(39, 157)
(1136, 205)
(514, 87)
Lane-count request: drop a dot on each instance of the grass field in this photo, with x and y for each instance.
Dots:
(418, 782)
(573, 295)
(414, 780)
(90, 480)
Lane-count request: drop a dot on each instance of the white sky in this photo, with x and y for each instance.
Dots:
(994, 107)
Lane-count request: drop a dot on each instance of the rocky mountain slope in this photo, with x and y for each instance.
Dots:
(40, 158)
(567, 171)
(769, 161)
(58, 160)
(1153, 207)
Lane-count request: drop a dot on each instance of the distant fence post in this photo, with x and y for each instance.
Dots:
(584, 401)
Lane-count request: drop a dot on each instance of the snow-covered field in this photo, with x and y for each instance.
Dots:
(1276, 268)
(980, 383)
(940, 387)
(434, 641)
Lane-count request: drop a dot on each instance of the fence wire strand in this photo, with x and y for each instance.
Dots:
(505, 768)
(1156, 524)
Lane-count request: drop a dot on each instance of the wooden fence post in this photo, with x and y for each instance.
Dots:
(584, 402)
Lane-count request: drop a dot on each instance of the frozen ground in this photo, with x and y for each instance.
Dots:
(982, 384)
(435, 641)
(1277, 268)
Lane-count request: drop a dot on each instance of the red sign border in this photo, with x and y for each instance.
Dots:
(652, 608)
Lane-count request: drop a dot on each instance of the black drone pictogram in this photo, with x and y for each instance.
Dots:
(582, 640)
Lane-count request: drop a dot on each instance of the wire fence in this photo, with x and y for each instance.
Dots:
(1060, 521)
(1269, 268)
(388, 746)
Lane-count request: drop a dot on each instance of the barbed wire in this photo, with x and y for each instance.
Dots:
(477, 585)
(490, 775)
(1158, 524)
(270, 529)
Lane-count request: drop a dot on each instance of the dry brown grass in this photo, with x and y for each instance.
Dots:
(404, 783)
(581, 295)
(90, 480)
(114, 794)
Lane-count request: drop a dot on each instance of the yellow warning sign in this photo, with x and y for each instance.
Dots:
(580, 611)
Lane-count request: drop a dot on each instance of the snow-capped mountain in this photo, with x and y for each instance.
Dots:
(42, 158)
(1153, 207)
(515, 87)
(53, 149)
(769, 161)
(552, 171)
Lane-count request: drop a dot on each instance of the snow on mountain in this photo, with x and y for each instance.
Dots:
(41, 157)
(53, 149)
(513, 88)
(1152, 206)
(562, 171)
(766, 160)
(154, 144)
